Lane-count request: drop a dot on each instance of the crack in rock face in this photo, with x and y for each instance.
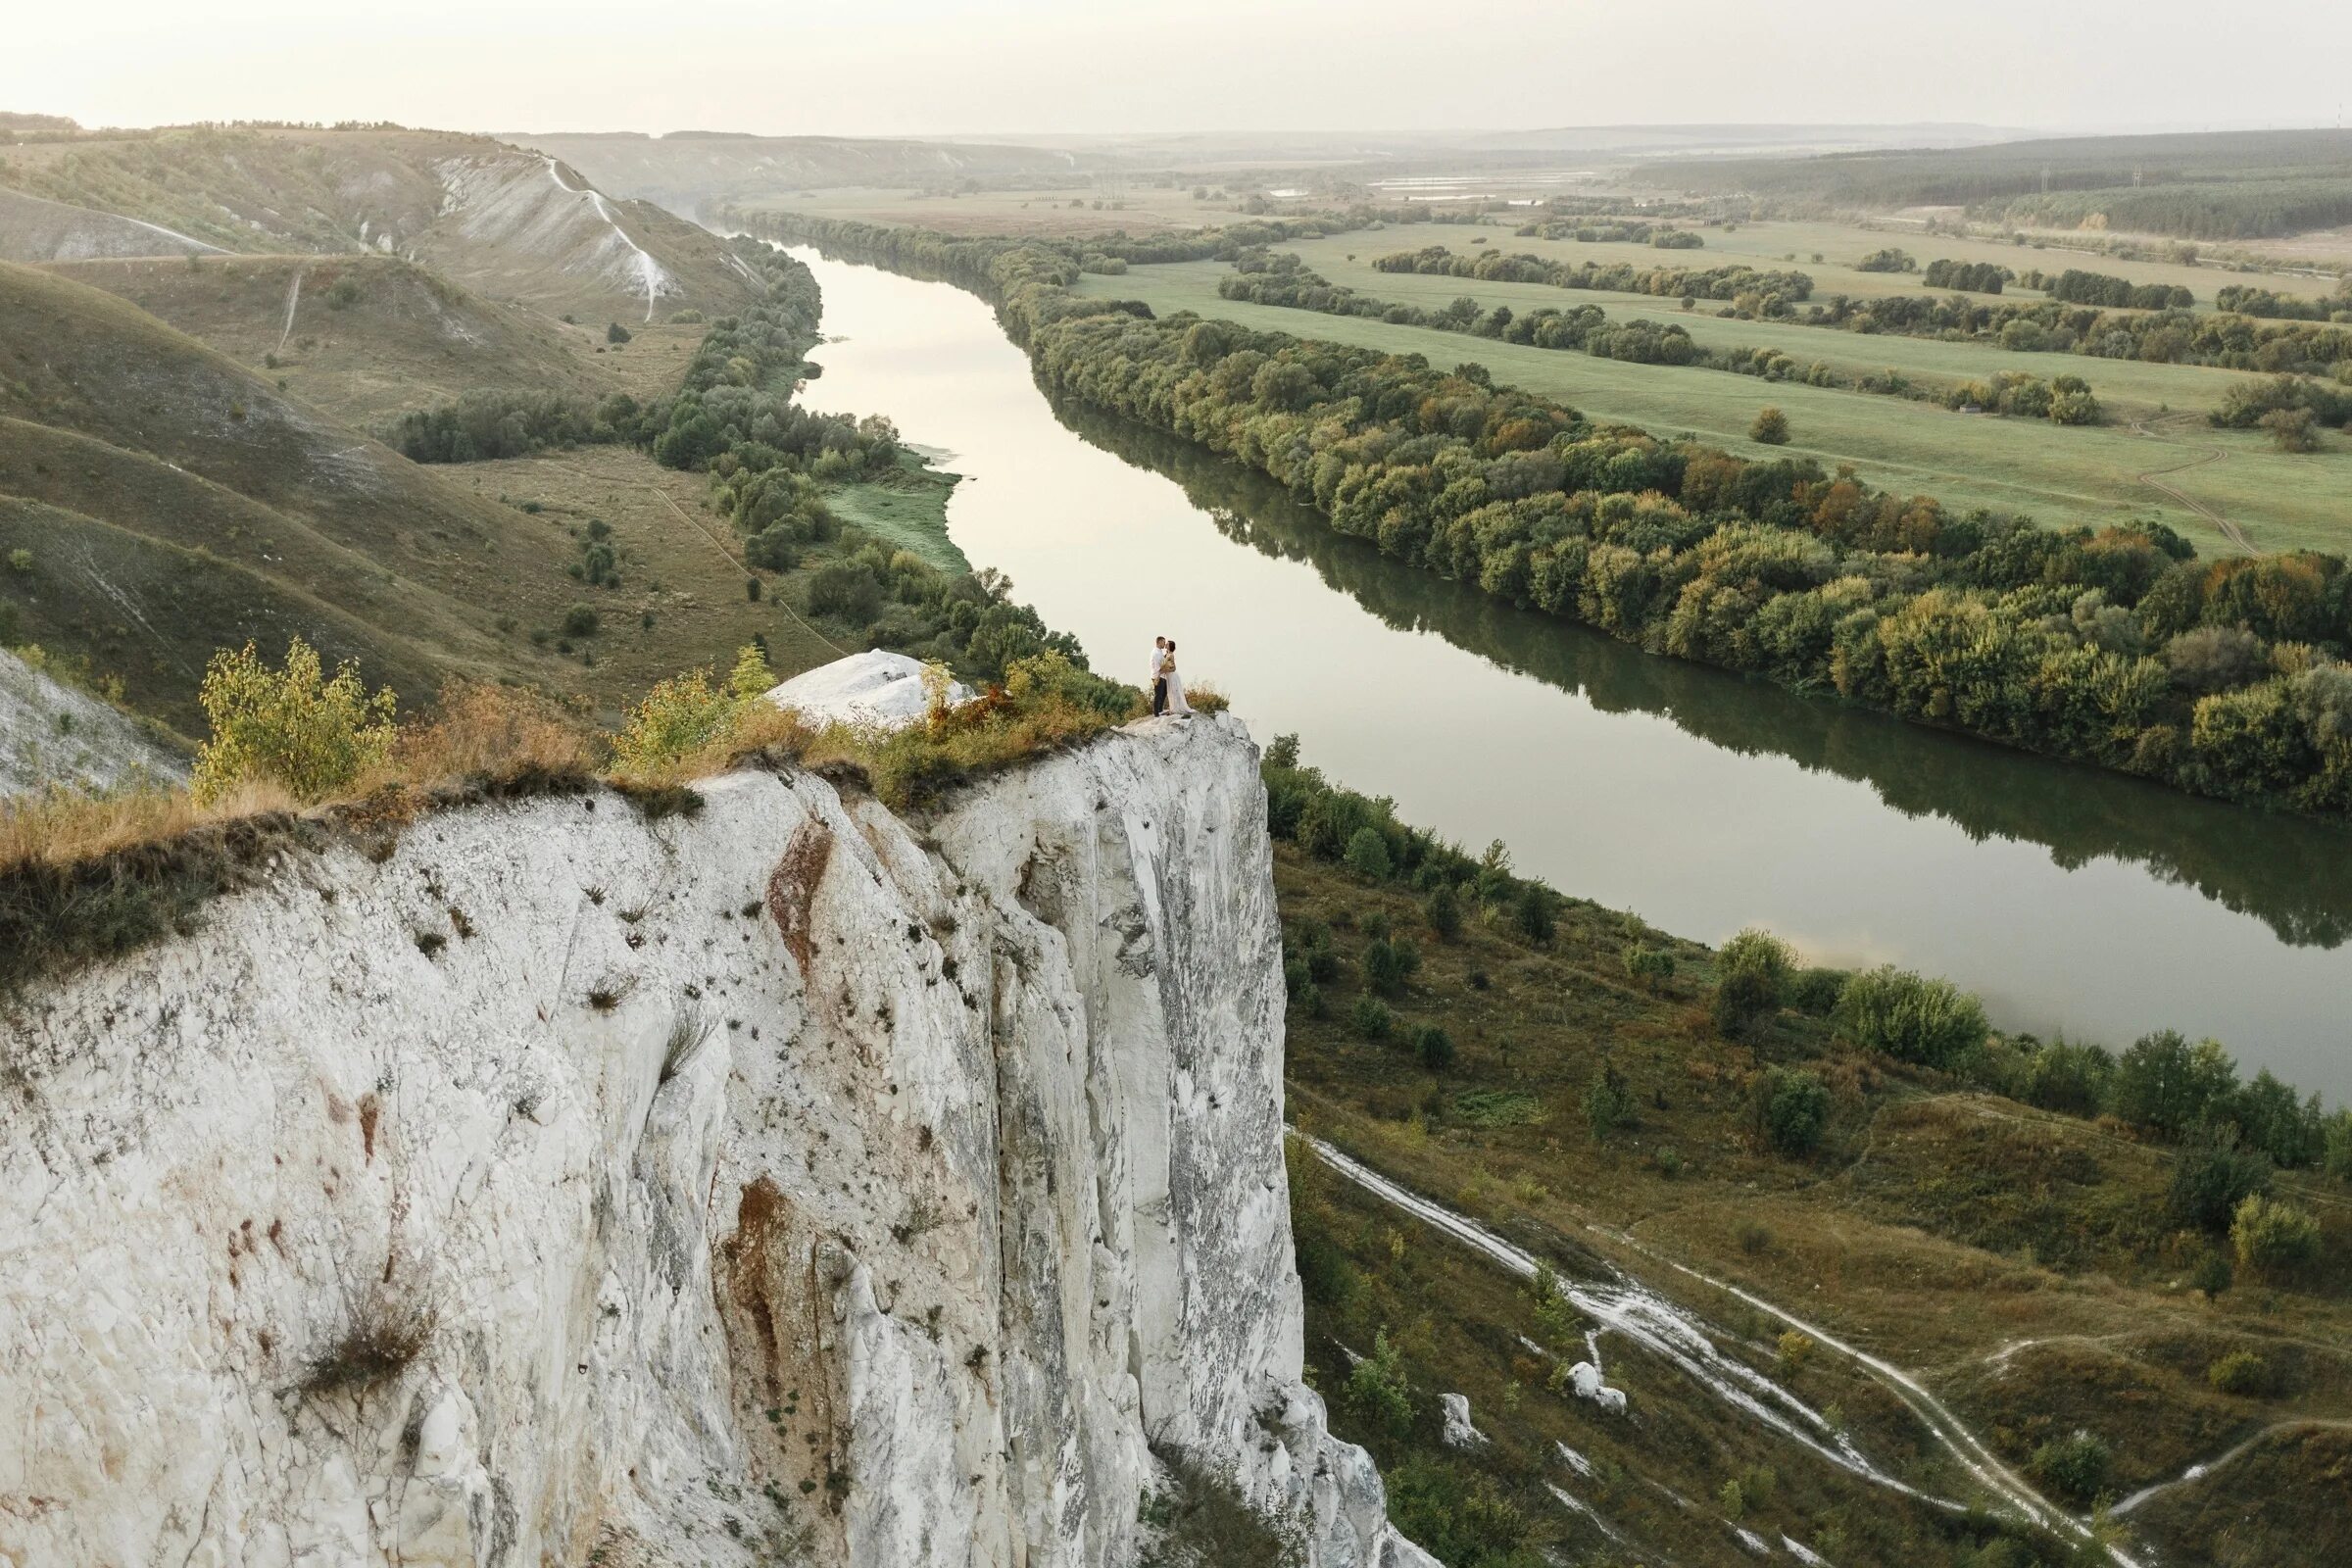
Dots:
(788, 1184)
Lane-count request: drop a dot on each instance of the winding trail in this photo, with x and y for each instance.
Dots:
(2153, 480)
(2204, 1468)
(1646, 1318)
(648, 271)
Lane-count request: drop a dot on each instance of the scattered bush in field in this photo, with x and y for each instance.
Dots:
(581, 621)
(2292, 430)
(1387, 965)
(846, 591)
(1457, 1514)
(1754, 968)
(1608, 1100)
(1733, 1501)
(1793, 1350)
(1371, 1019)
(293, 727)
(1443, 910)
(1368, 855)
(1931, 1022)
(1531, 912)
(2165, 1083)
(1753, 1238)
(1770, 428)
(1815, 991)
(2212, 1275)
(20, 561)
(2239, 1372)
(1890, 260)
(2213, 1175)
(1434, 1048)
(2273, 1237)
(1793, 1108)
(1652, 966)
(1377, 1389)
(1670, 1161)
(343, 293)
(615, 333)
(2075, 1466)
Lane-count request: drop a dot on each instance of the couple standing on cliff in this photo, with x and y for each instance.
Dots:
(1167, 687)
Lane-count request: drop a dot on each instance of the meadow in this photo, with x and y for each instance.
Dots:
(2058, 476)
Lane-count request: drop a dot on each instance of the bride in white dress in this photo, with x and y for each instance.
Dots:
(1177, 707)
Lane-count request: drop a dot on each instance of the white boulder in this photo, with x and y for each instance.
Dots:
(877, 688)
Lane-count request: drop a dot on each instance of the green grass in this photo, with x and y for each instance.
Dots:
(2127, 387)
(1938, 1226)
(2055, 474)
(906, 508)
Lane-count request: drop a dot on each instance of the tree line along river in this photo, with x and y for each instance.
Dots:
(2070, 899)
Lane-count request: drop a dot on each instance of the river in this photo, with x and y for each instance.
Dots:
(2070, 899)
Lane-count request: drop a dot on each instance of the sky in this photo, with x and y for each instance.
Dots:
(1061, 67)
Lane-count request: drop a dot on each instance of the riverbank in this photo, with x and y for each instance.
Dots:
(2072, 900)
(2020, 1267)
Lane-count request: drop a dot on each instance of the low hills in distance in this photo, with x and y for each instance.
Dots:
(501, 220)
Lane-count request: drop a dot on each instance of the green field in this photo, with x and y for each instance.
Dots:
(2130, 388)
(2057, 474)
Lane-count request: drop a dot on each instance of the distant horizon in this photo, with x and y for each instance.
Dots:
(903, 69)
(1989, 132)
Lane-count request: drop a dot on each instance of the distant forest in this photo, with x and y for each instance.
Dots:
(2207, 186)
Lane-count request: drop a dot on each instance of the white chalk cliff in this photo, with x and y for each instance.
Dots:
(787, 1183)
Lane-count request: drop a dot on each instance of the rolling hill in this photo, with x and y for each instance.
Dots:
(501, 220)
(170, 502)
(685, 168)
(370, 337)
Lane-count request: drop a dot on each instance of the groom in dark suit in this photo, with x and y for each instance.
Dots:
(1160, 676)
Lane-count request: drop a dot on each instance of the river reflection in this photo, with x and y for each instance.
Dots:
(2069, 898)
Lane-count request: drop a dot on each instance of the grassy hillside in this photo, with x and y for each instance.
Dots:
(171, 501)
(368, 338)
(2053, 473)
(2018, 1264)
(501, 220)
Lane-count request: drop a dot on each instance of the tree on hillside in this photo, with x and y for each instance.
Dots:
(615, 333)
(1771, 427)
(2291, 429)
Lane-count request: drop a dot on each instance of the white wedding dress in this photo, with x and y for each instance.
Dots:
(1176, 702)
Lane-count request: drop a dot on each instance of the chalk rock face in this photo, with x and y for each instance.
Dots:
(877, 688)
(786, 1183)
(54, 735)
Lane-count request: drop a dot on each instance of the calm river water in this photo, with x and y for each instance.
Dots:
(2069, 899)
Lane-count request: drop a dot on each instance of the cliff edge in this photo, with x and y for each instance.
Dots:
(786, 1182)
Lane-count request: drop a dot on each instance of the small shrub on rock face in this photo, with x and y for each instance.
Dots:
(1377, 1389)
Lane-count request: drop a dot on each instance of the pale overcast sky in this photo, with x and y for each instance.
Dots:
(916, 66)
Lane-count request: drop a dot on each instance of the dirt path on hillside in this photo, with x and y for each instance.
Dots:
(716, 543)
(2153, 480)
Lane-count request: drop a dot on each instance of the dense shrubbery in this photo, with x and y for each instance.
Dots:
(1770, 292)
(1617, 231)
(1283, 281)
(1977, 277)
(2040, 638)
(2074, 286)
(484, 426)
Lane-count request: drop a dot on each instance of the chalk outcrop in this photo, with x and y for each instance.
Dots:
(51, 735)
(874, 688)
(788, 1183)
